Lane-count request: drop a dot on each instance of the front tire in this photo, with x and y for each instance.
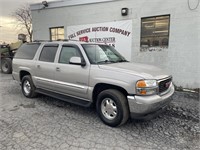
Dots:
(28, 88)
(112, 107)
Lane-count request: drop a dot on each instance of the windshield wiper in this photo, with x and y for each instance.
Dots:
(122, 60)
(105, 61)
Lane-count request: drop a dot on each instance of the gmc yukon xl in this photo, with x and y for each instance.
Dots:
(88, 73)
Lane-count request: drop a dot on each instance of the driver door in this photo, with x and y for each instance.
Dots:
(71, 79)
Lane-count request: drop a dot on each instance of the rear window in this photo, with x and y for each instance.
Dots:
(27, 51)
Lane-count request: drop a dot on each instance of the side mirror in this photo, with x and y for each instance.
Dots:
(76, 61)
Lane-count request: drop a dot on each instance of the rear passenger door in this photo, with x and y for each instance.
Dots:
(45, 67)
(71, 79)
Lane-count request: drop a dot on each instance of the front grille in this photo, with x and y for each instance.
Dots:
(164, 85)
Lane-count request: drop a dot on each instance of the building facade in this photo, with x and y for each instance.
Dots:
(161, 33)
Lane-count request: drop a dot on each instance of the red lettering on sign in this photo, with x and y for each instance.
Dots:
(84, 39)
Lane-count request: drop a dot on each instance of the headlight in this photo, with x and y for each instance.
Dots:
(146, 87)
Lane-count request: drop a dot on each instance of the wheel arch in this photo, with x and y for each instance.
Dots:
(23, 73)
(104, 86)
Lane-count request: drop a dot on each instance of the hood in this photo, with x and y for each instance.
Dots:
(137, 69)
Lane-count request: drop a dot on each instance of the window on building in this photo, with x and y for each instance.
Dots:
(48, 53)
(57, 33)
(67, 53)
(155, 31)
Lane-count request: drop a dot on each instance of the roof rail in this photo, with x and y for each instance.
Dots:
(69, 40)
(57, 40)
(62, 40)
(42, 41)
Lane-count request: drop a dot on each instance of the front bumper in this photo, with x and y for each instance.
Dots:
(147, 107)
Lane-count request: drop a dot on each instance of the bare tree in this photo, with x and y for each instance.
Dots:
(24, 19)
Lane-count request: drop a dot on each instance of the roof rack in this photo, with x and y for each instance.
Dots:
(57, 40)
(69, 40)
(42, 41)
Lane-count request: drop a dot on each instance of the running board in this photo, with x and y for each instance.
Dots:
(66, 98)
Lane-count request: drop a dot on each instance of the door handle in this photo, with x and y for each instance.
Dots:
(57, 69)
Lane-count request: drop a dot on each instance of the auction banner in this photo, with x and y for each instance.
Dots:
(117, 34)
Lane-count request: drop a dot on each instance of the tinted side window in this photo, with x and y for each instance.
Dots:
(48, 53)
(67, 52)
(27, 51)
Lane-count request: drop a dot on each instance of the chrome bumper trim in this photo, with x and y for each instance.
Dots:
(147, 104)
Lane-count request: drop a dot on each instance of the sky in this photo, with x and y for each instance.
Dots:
(8, 30)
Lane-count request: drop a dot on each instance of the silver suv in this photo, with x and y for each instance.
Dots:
(86, 74)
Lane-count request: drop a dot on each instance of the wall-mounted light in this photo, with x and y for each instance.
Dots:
(124, 11)
(45, 4)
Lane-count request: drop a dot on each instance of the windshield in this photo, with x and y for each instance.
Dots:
(99, 54)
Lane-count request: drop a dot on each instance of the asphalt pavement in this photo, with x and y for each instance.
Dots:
(45, 123)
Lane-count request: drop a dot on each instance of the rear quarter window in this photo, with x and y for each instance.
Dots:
(27, 51)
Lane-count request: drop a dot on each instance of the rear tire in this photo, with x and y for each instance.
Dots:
(28, 87)
(112, 107)
(6, 65)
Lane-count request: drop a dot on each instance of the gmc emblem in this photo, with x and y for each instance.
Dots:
(167, 84)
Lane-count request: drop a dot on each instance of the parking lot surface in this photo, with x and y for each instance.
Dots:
(47, 123)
